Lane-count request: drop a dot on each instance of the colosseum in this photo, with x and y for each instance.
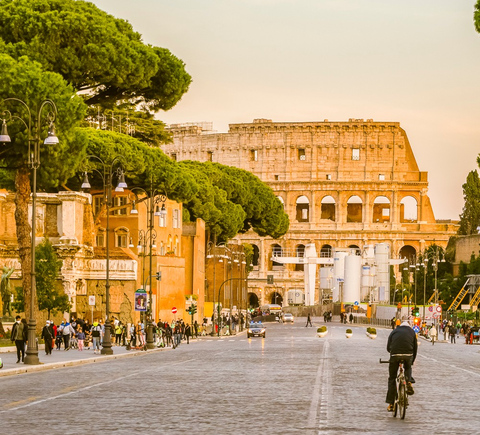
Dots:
(345, 185)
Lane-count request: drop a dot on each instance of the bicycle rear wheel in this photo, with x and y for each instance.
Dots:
(402, 400)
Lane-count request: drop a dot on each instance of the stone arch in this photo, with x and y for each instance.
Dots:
(299, 252)
(302, 209)
(275, 297)
(253, 301)
(381, 209)
(409, 253)
(281, 200)
(256, 255)
(358, 251)
(277, 251)
(328, 208)
(355, 209)
(326, 251)
(408, 209)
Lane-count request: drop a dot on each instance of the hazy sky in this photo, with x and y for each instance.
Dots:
(415, 62)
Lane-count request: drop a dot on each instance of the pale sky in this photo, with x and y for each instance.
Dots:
(409, 61)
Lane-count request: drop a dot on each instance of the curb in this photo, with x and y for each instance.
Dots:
(58, 365)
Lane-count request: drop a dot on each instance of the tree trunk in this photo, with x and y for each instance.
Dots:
(22, 198)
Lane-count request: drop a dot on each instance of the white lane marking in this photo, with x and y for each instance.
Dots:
(99, 384)
(452, 365)
(312, 416)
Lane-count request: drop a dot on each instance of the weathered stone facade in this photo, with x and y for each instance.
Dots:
(343, 184)
(67, 219)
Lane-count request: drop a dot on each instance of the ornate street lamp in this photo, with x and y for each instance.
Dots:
(152, 199)
(107, 174)
(33, 132)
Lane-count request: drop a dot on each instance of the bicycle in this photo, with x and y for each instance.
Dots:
(401, 398)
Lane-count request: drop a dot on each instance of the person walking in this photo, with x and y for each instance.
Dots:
(80, 339)
(452, 332)
(188, 332)
(433, 334)
(66, 333)
(195, 329)
(309, 320)
(96, 332)
(19, 336)
(47, 335)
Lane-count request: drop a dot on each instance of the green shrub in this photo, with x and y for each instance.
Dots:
(322, 329)
(372, 331)
(349, 331)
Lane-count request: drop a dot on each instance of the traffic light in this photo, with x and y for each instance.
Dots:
(158, 276)
(417, 311)
(413, 312)
(416, 321)
(192, 309)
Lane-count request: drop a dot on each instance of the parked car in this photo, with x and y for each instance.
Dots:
(288, 317)
(256, 330)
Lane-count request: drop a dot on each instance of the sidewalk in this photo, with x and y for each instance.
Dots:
(62, 358)
(73, 357)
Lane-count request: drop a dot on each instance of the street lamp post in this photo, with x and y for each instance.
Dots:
(106, 176)
(153, 200)
(33, 132)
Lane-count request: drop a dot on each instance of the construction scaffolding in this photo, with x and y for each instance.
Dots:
(471, 286)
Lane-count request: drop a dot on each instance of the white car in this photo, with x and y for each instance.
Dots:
(288, 317)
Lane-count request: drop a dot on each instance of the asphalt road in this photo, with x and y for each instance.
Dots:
(291, 382)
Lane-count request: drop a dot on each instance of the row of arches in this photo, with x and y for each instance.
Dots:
(273, 298)
(355, 209)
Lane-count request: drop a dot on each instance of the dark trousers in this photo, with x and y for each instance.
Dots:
(452, 338)
(20, 349)
(392, 375)
(48, 346)
(66, 341)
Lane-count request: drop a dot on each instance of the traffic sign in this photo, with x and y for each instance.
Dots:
(439, 309)
(430, 308)
(416, 329)
(91, 300)
(174, 310)
(355, 303)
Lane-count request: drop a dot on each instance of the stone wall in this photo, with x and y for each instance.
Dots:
(316, 168)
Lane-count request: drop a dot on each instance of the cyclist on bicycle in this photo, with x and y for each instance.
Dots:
(402, 345)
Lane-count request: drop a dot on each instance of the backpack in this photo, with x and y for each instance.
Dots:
(96, 331)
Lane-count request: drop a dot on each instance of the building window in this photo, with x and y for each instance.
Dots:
(120, 201)
(176, 218)
(210, 156)
(301, 154)
(173, 156)
(162, 220)
(276, 177)
(100, 239)
(329, 176)
(253, 155)
(97, 204)
(121, 238)
(381, 177)
(356, 154)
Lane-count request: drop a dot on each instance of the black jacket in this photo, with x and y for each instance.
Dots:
(402, 340)
(24, 331)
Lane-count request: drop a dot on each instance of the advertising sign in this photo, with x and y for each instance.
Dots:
(140, 300)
